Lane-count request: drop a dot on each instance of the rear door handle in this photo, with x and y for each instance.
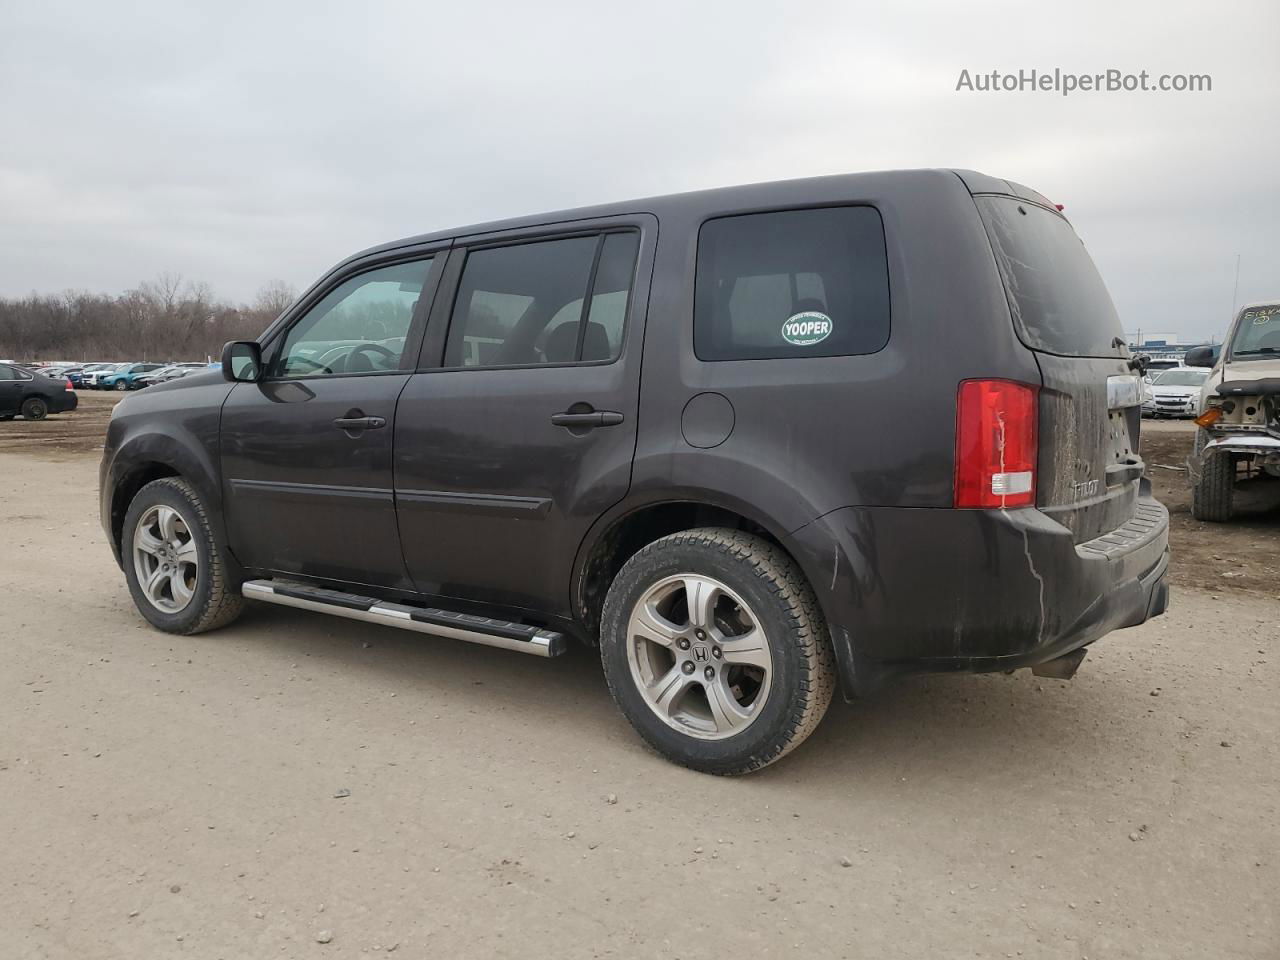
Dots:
(593, 418)
(351, 424)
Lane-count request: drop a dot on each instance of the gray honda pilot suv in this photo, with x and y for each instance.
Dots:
(754, 443)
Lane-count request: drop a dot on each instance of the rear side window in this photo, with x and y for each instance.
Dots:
(796, 283)
(548, 301)
(1059, 302)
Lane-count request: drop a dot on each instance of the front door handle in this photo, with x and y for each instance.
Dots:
(587, 420)
(354, 424)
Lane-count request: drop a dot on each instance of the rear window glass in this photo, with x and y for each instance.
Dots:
(796, 283)
(1059, 302)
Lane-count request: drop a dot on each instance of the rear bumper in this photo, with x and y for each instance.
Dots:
(64, 402)
(909, 590)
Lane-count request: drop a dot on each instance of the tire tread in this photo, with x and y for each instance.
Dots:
(1214, 493)
(771, 565)
(224, 602)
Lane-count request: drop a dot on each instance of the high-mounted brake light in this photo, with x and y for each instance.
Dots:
(996, 432)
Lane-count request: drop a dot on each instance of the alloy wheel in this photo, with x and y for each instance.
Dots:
(699, 656)
(165, 559)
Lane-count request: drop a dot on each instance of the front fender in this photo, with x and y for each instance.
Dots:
(165, 432)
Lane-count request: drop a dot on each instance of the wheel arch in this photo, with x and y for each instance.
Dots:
(149, 457)
(633, 524)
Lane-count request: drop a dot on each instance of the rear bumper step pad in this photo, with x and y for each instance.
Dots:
(441, 623)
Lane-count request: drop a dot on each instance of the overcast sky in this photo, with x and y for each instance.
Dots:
(240, 143)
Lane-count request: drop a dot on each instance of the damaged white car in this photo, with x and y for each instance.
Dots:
(1239, 412)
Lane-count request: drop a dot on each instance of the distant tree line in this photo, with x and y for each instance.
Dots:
(160, 320)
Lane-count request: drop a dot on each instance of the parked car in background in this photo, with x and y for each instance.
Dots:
(1158, 366)
(93, 378)
(186, 369)
(884, 423)
(1173, 393)
(172, 371)
(31, 395)
(1239, 404)
(125, 377)
(77, 377)
(158, 375)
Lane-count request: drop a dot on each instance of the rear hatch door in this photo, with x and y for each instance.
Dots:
(1090, 403)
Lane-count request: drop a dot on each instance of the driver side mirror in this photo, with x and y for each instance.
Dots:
(242, 361)
(1199, 357)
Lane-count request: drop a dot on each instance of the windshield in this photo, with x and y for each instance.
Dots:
(1257, 333)
(1181, 378)
(1059, 302)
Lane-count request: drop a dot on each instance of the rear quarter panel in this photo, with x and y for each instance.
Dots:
(815, 434)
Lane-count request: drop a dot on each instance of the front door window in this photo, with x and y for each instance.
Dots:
(360, 326)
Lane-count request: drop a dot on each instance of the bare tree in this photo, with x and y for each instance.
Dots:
(163, 319)
(275, 297)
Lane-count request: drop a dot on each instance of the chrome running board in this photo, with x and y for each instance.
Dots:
(441, 623)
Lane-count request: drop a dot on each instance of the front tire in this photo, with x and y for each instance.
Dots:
(121, 385)
(177, 573)
(34, 408)
(715, 650)
(1213, 495)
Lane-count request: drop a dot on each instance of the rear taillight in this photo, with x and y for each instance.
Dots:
(995, 444)
(70, 386)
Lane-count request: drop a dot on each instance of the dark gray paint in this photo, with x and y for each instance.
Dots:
(846, 461)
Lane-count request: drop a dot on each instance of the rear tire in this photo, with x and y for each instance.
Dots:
(208, 595)
(763, 672)
(34, 408)
(1214, 492)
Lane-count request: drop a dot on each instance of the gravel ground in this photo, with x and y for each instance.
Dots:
(1238, 557)
(301, 786)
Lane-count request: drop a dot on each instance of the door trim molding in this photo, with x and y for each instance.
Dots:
(491, 503)
(285, 488)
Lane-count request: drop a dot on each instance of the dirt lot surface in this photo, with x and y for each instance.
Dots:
(176, 797)
(80, 431)
(1243, 555)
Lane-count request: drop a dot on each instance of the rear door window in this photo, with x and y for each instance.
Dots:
(794, 283)
(1058, 300)
(523, 304)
